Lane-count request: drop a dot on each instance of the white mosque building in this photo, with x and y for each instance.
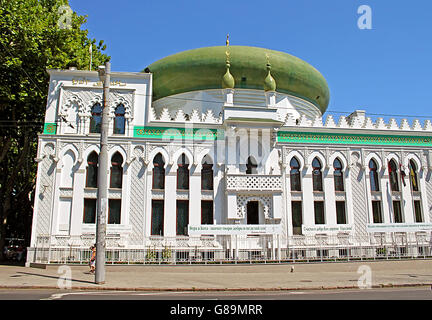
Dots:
(223, 154)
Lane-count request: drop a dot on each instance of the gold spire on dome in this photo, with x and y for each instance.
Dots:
(227, 40)
(269, 82)
(228, 80)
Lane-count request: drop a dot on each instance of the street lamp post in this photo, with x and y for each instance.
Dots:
(102, 194)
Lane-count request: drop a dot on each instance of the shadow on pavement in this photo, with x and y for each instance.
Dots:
(53, 277)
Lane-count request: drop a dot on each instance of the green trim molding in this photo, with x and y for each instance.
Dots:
(340, 138)
(50, 128)
(178, 133)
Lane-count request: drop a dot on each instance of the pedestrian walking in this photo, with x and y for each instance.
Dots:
(92, 259)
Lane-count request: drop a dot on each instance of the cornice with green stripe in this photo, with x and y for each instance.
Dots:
(178, 133)
(362, 139)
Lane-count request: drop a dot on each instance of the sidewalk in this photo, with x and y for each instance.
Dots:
(225, 277)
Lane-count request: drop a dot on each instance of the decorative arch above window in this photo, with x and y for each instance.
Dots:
(116, 178)
(317, 175)
(183, 173)
(158, 172)
(413, 175)
(96, 118)
(251, 166)
(338, 175)
(373, 175)
(295, 175)
(92, 170)
(207, 174)
(119, 119)
(393, 175)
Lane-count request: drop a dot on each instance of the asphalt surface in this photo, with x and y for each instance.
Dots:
(259, 277)
(418, 293)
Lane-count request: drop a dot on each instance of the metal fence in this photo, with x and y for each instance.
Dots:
(226, 249)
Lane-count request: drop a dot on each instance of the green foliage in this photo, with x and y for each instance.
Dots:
(35, 36)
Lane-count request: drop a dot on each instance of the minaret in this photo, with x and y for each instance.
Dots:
(270, 86)
(228, 82)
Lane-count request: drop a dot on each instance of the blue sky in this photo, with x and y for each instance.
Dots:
(385, 70)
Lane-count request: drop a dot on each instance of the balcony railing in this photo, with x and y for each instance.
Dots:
(254, 182)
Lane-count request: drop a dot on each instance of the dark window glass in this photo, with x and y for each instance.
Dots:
(158, 172)
(418, 211)
(114, 214)
(157, 223)
(373, 175)
(116, 171)
(413, 175)
(252, 212)
(338, 175)
(319, 212)
(207, 177)
(297, 218)
(206, 212)
(295, 175)
(92, 170)
(96, 118)
(251, 166)
(183, 174)
(89, 211)
(376, 210)
(119, 119)
(317, 175)
(340, 212)
(397, 211)
(393, 176)
(182, 217)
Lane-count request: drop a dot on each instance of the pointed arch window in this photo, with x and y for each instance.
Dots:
(183, 173)
(207, 174)
(413, 175)
(96, 118)
(338, 175)
(116, 178)
(373, 175)
(251, 166)
(92, 170)
(119, 119)
(295, 175)
(317, 175)
(158, 172)
(393, 176)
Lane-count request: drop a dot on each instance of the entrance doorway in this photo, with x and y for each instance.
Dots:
(252, 212)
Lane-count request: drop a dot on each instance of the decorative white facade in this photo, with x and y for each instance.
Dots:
(226, 128)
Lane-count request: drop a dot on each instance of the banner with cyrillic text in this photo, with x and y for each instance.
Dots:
(314, 229)
(234, 229)
(398, 227)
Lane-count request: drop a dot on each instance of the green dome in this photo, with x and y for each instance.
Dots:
(203, 68)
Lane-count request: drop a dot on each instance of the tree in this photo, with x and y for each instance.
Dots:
(36, 35)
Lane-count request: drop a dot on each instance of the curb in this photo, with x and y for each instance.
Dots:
(378, 286)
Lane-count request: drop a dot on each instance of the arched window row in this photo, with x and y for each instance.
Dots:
(182, 173)
(116, 171)
(119, 119)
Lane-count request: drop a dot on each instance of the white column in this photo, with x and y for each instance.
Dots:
(78, 201)
(407, 205)
(308, 199)
(218, 195)
(329, 196)
(170, 204)
(195, 195)
(387, 204)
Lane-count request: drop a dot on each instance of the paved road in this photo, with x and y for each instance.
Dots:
(420, 293)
